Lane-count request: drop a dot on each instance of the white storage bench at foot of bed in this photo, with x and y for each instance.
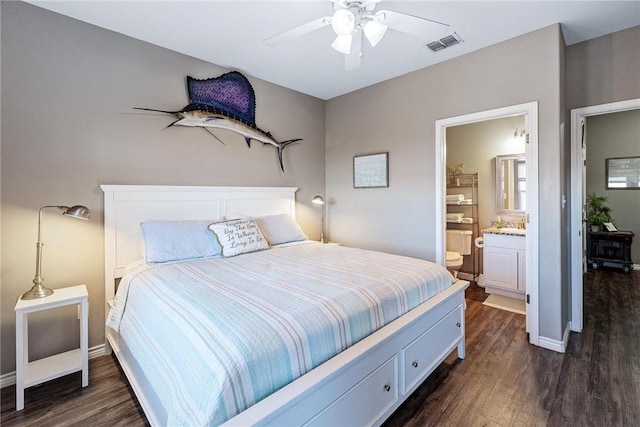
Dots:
(367, 382)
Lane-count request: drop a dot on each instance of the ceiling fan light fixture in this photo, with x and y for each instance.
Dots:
(342, 43)
(374, 31)
(343, 22)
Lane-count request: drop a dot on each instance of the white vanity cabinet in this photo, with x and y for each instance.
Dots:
(505, 264)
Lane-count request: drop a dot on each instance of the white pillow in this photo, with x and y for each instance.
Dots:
(178, 240)
(239, 236)
(280, 228)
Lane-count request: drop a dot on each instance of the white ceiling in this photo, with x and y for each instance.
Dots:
(231, 33)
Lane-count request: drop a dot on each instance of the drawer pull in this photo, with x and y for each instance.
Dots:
(387, 387)
(414, 363)
(458, 324)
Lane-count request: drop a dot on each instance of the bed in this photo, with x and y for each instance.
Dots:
(360, 385)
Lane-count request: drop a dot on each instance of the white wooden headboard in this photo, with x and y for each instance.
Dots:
(126, 206)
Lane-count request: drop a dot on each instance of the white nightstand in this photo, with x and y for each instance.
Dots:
(32, 373)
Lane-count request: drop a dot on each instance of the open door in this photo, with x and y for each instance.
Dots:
(528, 215)
(583, 158)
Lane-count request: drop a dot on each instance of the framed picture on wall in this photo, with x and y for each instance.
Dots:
(371, 170)
(623, 173)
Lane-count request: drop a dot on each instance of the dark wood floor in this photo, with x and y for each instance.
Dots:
(503, 381)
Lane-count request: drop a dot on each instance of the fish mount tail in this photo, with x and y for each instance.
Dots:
(281, 146)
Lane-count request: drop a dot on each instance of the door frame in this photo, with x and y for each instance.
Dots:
(578, 115)
(530, 111)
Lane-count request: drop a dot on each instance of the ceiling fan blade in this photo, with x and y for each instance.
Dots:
(422, 27)
(298, 31)
(352, 61)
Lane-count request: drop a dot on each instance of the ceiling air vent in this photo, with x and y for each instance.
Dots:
(445, 42)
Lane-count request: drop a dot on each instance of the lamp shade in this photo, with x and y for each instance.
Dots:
(78, 211)
(343, 22)
(342, 43)
(374, 31)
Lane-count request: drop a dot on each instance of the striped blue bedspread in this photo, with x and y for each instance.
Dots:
(215, 336)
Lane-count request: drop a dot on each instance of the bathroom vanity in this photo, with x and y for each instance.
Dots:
(505, 262)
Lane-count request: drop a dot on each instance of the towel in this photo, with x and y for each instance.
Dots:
(455, 197)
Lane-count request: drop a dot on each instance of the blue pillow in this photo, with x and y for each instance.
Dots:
(178, 240)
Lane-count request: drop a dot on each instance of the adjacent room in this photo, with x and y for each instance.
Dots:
(332, 212)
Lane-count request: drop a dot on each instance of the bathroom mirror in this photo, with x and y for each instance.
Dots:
(510, 184)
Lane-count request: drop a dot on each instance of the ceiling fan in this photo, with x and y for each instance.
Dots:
(353, 18)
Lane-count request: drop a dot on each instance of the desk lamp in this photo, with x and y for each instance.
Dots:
(39, 290)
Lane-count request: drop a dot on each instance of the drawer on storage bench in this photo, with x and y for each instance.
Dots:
(425, 352)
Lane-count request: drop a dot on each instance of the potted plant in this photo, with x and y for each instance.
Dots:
(597, 211)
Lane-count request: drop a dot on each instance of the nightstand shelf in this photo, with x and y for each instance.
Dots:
(46, 369)
(38, 371)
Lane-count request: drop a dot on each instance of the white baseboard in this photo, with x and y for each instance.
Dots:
(636, 266)
(465, 276)
(10, 377)
(555, 345)
(96, 351)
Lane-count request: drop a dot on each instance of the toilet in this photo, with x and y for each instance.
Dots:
(458, 245)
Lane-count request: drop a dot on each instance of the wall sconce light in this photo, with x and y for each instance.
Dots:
(319, 200)
(39, 290)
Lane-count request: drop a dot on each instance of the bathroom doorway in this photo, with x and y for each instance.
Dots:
(494, 150)
(529, 111)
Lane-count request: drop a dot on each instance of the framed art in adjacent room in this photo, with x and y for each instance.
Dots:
(371, 170)
(623, 173)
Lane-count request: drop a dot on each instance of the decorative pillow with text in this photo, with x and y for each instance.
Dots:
(239, 236)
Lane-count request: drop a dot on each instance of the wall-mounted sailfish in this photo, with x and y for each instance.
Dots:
(225, 102)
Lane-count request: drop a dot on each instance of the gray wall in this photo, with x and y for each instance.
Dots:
(609, 136)
(68, 89)
(399, 116)
(604, 69)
